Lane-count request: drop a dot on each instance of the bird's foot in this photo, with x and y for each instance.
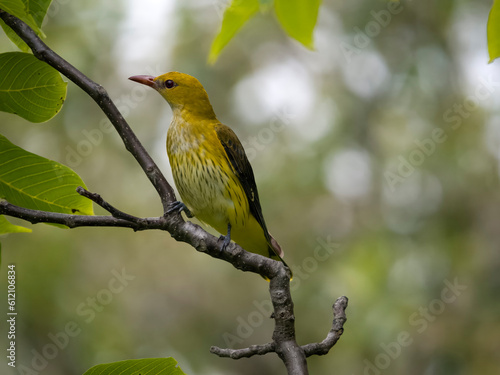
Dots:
(226, 240)
(178, 206)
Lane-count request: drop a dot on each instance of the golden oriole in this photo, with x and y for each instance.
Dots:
(211, 170)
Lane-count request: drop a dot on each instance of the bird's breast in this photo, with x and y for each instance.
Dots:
(204, 177)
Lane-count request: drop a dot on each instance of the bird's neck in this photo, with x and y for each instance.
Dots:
(197, 113)
(187, 134)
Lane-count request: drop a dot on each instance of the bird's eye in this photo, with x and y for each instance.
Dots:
(169, 83)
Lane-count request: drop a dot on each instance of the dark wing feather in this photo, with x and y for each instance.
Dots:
(242, 168)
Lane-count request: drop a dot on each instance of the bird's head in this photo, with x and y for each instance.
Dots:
(183, 92)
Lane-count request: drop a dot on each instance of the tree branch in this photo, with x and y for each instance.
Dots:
(101, 97)
(244, 353)
(183, 231)
(339, 318)
(284, 343)
(71, 221)
(284, 330)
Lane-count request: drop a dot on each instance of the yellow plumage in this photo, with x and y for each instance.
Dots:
(210, 168)
(208, 185)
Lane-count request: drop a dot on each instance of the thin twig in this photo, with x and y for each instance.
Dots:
(244, 353)
(333, 336)
(96, 198)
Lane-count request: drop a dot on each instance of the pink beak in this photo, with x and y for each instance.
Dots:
(145, 80)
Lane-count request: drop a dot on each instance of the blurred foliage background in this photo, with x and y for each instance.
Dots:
(345, 150)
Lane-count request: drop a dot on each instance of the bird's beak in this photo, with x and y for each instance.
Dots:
(145, 80)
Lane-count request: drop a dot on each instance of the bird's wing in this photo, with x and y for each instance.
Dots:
(242, 168)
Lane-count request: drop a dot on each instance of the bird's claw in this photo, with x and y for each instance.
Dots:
(226, 240)
(178, 206)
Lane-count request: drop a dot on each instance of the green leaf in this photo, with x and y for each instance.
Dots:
(19, 9)
(37, 9)
(8, 227)
(29, 87)
(31, 181)
(156, 366)
(493, 31)
(235, 16)
(14, 37)
(30, 11)
(298, 18)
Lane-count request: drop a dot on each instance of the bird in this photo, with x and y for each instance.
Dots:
(210, 168)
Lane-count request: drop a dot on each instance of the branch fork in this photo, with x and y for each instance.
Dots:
(321, 348)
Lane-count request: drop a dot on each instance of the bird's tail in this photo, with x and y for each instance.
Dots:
(276, 253)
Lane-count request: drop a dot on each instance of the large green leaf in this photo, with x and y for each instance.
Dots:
(298, 18)
(235, 16)
(8, 227)
(29, 87)
(493, 31)
(156, 366)
(31, 181)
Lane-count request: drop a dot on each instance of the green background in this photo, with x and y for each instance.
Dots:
(322, 129)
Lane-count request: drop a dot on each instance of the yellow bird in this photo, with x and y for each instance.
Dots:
(211, 170)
